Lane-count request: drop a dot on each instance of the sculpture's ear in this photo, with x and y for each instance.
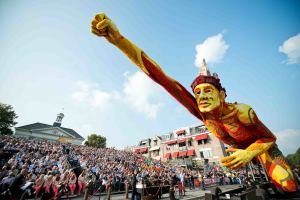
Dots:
(222, 95)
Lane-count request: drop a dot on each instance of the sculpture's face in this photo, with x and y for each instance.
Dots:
(208, 97)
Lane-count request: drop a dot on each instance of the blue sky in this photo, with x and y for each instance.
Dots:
(50, 60)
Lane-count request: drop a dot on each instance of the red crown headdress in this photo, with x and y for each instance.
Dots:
(205, 77)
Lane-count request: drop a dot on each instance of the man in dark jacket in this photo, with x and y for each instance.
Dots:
(133, 184)
(16, 185)
(174, 180)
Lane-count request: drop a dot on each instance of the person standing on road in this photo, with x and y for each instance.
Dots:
(133, 185)
(126, 187)
(109, 187)
(173, 181)
(182, 182)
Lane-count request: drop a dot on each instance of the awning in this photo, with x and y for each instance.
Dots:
(171, 142)
(181, 140)
(180, 132)
(201, 137)
(142, 150)
(175, 154)
(182, 154)
(154, 148)
(137, 150)
(191, 152)
(167, 155)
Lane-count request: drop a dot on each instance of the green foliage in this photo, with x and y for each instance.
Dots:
(7, 119)
(95, 140)
(294, 159)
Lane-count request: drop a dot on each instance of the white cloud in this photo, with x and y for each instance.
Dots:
(100, 98)
(288, 140)
(138, 92)
(85, 129)
(90, 94)
(141, 93)
(82, 94)
(212, 49)
(126, 74)
(291, 47)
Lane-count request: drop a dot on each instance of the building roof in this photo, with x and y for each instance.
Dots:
(39, 125)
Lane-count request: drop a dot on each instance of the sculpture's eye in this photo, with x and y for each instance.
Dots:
(197, 92)
(208, 90)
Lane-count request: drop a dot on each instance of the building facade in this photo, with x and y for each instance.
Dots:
(189, 143)
(53, 132)
(143, 147)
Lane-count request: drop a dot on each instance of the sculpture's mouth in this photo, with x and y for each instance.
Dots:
(204, 104)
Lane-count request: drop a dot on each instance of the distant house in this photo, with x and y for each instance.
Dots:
(50, 132)
(184, 144)
(143, 147)
(154, 149)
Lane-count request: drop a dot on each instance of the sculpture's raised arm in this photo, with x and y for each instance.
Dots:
(104, 27)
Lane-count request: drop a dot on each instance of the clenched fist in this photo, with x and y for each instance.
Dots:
(103, 26)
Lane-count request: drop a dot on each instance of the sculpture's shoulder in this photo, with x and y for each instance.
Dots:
(245, 113)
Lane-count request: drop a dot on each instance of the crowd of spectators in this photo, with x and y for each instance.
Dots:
(47, 166)
(49, 169)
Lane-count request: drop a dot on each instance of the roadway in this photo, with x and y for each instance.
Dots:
(194, 194)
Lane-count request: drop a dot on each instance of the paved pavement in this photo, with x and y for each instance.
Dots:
(194, 194)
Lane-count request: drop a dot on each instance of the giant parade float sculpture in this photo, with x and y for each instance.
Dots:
(235, 124)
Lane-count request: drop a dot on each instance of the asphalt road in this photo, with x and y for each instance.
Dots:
(189, 195)
(194, 194)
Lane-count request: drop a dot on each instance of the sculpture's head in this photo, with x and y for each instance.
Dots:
(208, 90)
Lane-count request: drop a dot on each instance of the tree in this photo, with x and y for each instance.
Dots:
(95, 140)
(294, 159)
(7, 119)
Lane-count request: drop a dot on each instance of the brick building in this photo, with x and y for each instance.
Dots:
(184, 144)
